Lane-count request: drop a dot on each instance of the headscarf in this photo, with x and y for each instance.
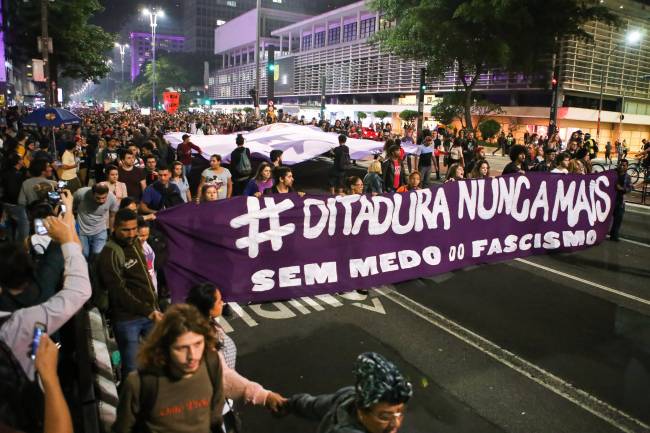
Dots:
(377, 379)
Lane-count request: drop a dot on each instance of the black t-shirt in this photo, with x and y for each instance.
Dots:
(341, 157)
(647, 155)
(132, 180)
(512, 168)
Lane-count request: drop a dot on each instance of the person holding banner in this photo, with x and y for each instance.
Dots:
(623, 186)
(260, 182)
(517, 160)
(393, 170)
(455, 172)
(283, 183)
(375, 404)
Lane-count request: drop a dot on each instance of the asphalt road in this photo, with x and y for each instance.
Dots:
(555, 343)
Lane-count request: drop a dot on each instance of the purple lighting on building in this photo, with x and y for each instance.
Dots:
(141, 48)
(3, 66)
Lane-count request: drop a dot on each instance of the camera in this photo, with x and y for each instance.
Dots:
(54, 197)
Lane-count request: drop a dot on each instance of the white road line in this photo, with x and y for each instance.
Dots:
(587, 282)
(581, 398)
(641, 244)
(627, 209)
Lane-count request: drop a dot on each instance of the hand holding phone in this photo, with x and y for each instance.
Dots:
(39, 330)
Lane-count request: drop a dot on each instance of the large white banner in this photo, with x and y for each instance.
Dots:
(298, 143)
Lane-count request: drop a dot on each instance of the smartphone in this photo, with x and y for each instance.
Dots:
(39, 329)
(39, 227)
(61, 184)
(63, 209)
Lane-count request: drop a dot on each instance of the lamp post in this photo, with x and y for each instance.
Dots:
(153, 15)
(122, 48)
(631, 38)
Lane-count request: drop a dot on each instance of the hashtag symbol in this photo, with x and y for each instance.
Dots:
(252, 219)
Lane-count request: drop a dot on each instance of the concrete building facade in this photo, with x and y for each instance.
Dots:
(360, 76)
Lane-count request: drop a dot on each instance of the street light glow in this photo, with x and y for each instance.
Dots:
(160, 13)
(146, 11)
(633, 37)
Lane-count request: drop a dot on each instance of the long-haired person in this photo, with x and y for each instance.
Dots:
(455, 172)
(207, 299)
(178, 387)
(179, 179)
(481, 170)
(262, 181)
(372, 181)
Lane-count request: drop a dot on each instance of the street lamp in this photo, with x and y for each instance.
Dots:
(631, 38)
(153, 15)
(122, 48)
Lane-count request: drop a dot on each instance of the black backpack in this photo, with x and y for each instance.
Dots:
(149, 392)
(21, 400)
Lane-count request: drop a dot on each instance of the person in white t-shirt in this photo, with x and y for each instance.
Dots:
(562, 163)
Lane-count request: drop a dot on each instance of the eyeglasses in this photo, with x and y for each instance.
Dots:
(387, 417)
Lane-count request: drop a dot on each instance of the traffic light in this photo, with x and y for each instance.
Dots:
(424, 87)
(554, 82)
(271, 67)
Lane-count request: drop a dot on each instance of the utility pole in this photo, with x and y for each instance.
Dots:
(45, 45)
(423, 87)
(323, 89)
(270, 73)
(257, 55)
(555, 94)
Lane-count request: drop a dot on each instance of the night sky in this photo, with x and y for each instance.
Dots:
(117, 12)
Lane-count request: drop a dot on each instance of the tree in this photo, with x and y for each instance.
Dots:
(249, 110)
(361, 115)
(169, 76)
(381, 114)
(80, 48)
(489, 128)
(475, 36)
(408, 115)
(449, 108)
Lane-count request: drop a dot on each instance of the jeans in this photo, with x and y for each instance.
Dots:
(187, 169)
(128, 334)
(93, 244)
(17, 220)
(619, 211)
(425, 174)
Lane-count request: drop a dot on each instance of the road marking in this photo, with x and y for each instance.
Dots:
(641, 244)
(586, 401)
(627, 209)
(587, 282)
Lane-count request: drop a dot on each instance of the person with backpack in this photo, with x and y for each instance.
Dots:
(20, 395)
(125, 289)
(161, 194)
(178, 386)
(341, 163)
(240, 166)
(218, 176)
(591, 146)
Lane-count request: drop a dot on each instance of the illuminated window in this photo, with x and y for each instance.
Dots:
(349, 32)
(231, 3)
(277, 1)
(333, 35)
(220, 22)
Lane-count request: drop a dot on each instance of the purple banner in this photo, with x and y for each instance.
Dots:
(285, 246)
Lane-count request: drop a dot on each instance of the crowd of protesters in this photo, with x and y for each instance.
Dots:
(79, 210)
